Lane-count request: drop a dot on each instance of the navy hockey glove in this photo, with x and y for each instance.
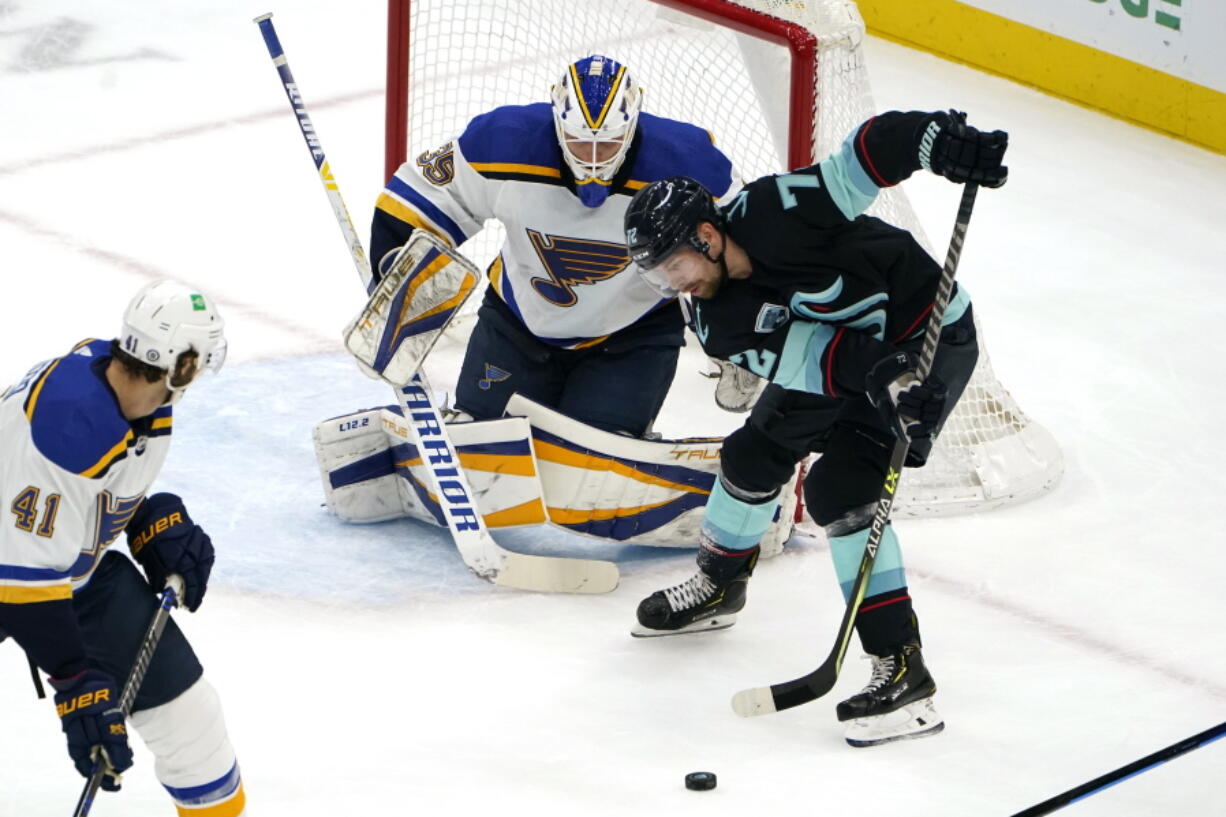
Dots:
(911, 408)
(164, 540)
(951, 148)
(88, 706)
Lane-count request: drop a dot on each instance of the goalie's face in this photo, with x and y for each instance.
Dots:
(594, 154)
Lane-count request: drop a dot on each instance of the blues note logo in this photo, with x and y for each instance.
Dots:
(573, 262)
(492, 375)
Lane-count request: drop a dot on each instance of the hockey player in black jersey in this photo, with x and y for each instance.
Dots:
(790, 281)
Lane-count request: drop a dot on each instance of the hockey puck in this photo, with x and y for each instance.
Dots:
(700, 781)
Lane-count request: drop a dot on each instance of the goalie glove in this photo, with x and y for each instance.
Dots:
(737, 389)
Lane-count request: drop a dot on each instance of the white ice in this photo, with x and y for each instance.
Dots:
(365, 671)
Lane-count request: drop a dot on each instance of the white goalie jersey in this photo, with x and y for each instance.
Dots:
(72, 473)
(563, 269)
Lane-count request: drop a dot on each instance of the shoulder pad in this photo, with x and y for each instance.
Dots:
(672, 148)
(513, 134)
(74, 419)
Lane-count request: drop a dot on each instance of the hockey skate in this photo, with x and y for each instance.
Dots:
(896, 704)
(708, 600)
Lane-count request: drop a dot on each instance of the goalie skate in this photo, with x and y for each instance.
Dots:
(896, 704)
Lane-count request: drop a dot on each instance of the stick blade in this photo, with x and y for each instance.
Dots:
(545, 574)
(749, 703)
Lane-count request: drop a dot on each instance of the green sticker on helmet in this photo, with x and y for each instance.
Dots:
(198, 304)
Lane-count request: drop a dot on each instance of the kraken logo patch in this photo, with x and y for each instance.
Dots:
(573, 262)
(771, 317)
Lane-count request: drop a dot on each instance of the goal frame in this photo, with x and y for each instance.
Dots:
(990, 453)
(800, 42)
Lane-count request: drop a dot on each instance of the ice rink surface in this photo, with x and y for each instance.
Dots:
(365, 671)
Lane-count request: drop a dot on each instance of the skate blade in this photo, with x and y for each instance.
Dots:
(707, 624)
(915, 720)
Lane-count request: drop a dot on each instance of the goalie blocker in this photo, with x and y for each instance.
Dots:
(538, 467)
(422, 291)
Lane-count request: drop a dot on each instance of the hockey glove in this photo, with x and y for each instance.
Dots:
(951, 148)
(88, 706)
(165, 541)
(911, 408)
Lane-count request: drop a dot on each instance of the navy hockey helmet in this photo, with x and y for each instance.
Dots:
(664, 215)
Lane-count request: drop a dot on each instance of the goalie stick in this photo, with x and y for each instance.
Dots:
(1124, 772)
(264, 21)
(136, 676)
(477, 547)
(764, 700)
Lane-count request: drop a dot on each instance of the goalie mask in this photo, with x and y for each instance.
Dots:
(595, 110)
(170, 327)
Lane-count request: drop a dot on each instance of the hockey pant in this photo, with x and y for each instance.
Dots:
(618, 385)
(176, 712)
(843, 484)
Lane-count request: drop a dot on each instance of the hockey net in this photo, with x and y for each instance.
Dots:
(779, 83)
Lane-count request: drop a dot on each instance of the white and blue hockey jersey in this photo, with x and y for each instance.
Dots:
(563, 269)
(73, 471)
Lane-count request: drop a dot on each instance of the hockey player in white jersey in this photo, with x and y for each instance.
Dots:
(565, 320)
(82, 439)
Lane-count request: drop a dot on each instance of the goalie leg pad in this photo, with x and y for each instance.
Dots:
(635, 491)
(497, 459)
(357, 467)
(194, 760)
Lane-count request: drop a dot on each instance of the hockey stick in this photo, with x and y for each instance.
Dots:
(1125, 772)
(169, 599)
(277, 53)
(764, 700)
(477, 547)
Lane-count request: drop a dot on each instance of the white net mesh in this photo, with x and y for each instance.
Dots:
(470, 57)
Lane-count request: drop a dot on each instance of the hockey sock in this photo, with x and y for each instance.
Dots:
(736, 524)
(888, 571)
(886, 619)
(193, 758)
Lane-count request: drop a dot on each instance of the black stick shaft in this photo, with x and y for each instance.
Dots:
(1125, 772)
(822, 680)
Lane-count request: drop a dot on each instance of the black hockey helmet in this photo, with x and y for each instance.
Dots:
(664, 215)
